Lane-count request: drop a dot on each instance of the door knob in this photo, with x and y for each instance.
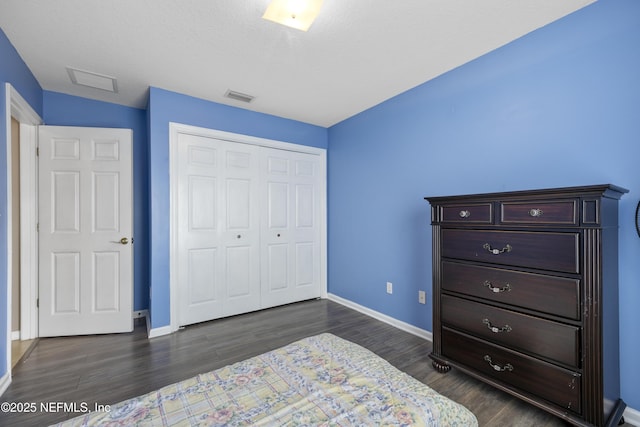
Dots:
(123, 241)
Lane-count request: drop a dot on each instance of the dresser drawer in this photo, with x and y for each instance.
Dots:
(562, 212)
(478, 213)
(552, 383)
(542, 250)
(551, 340)
(553, 295)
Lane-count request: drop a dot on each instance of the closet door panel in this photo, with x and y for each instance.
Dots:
(202, 203)
(239, 204)
(218, 229)
(200, 276)
(278, 260)
(241, 234)
(291, 185)
(305, 264)
(305, 218)
(202, 268)
(238, 272)
(306, 235)
(278, 205)
(276, 228)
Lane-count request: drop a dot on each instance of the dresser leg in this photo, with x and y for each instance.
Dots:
(440, 366)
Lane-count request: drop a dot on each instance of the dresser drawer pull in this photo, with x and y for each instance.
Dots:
(465, 214)
(495, 290)
(488, 247)
(495, 329)
(507, 367)
(535, 212)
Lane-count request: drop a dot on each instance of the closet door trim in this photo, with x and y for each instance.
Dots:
(177, 128)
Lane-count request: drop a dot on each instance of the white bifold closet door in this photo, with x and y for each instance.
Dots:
(290, 233)
(247, 229)
(218, 228)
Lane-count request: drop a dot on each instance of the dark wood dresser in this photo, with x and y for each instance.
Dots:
(525, 296)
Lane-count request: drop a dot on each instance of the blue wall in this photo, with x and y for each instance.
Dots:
(165, 107)
(558, 107)
(67, 110)
(12, 70)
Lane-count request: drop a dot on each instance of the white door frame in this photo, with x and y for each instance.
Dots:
(29, 260)
(174, 130)
(16, 106)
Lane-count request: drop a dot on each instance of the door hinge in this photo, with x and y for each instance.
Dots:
(37, 227)
(38, 303)
(37, 151)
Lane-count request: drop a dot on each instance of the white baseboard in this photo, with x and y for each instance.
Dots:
(156, 332)
(138, 314)
(422, 333)
(15, 335)
(631, 417)
(4, 383)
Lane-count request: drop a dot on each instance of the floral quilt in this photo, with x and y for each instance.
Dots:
(318, 381)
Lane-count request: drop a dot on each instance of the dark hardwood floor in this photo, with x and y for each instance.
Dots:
(110, 368)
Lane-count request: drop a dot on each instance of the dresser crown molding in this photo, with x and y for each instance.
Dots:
(525, 287)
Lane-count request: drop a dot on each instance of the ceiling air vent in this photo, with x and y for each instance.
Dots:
(239, 96)
(91, 79)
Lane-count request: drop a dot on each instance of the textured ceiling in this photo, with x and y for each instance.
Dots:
(357, 54)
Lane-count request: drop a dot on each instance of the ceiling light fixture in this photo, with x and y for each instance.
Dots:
(298, 14)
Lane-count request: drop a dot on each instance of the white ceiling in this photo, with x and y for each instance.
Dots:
(357, 54)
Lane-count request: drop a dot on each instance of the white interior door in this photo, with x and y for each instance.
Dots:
(290, 236)
(217, 228)
(86, 229)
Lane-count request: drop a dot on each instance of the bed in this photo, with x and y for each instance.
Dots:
(321, 380)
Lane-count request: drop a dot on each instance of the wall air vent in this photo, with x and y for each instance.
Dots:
(94, 80)
(232, 94)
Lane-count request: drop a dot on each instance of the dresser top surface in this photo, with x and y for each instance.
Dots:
(602, 190)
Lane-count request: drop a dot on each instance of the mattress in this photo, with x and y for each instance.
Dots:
(321, 380)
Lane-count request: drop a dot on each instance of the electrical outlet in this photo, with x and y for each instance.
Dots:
(389, 287)
(422, 297)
